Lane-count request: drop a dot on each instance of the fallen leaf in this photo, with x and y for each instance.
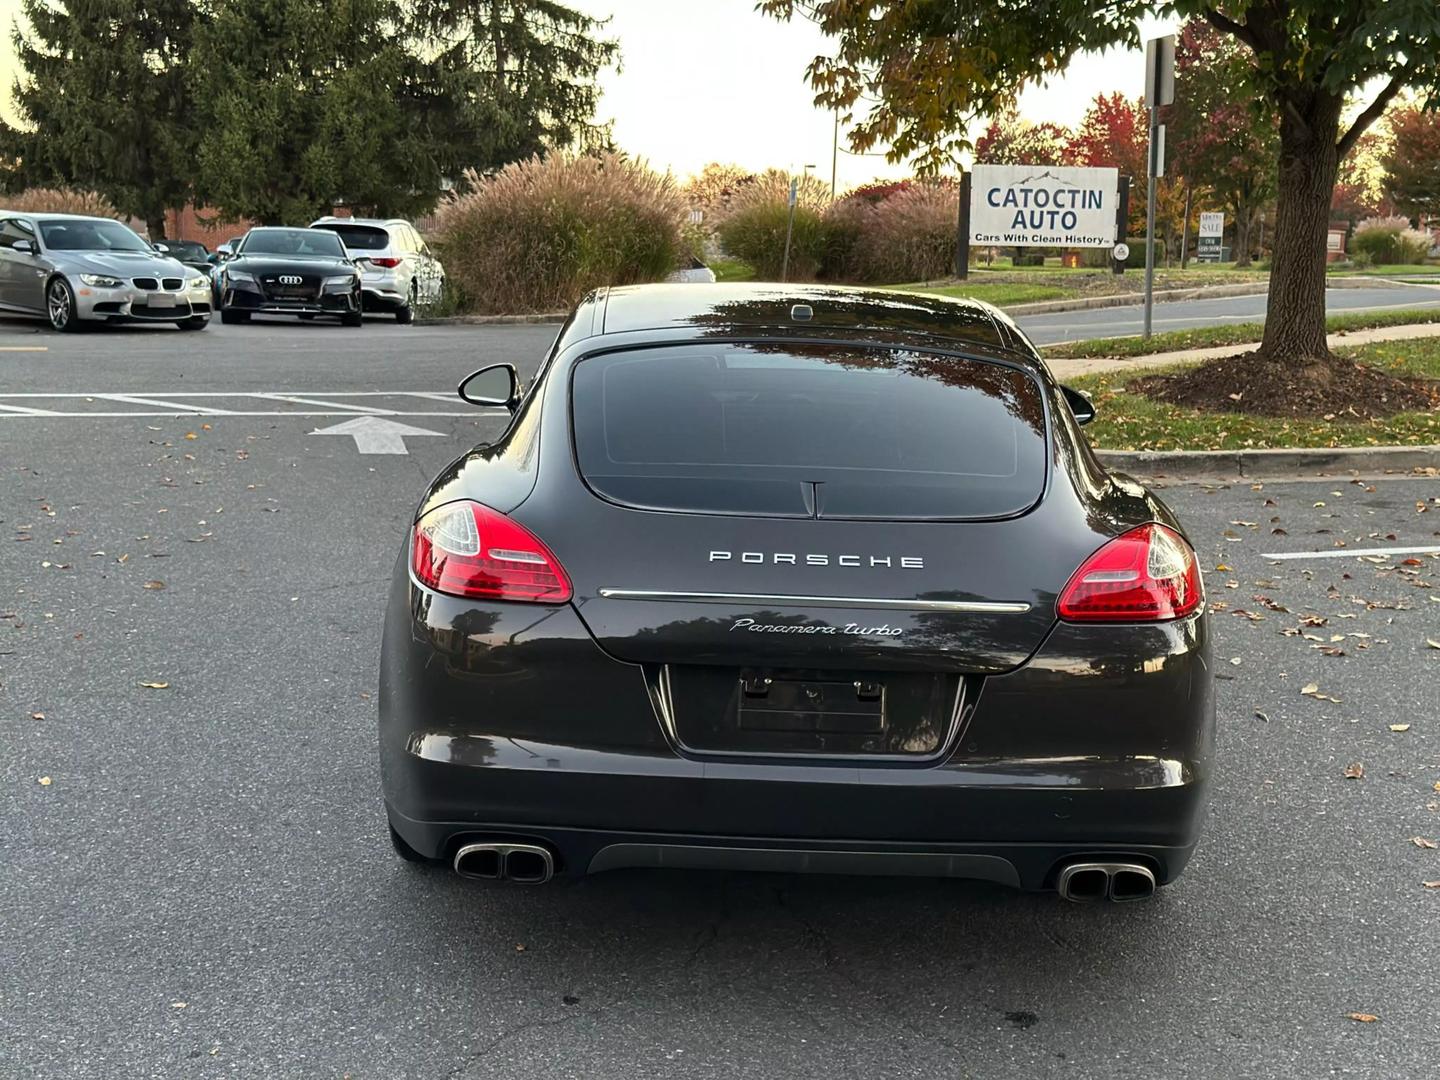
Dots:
(45, 781)
(1431, 884)
(180, 1004)
(1430, 640)
(1399, 727)
(519, 948)
(1420, 841)
(1355, 771)
(156, 685)
(1310, 688)
(191, 435)
(37, 716)
(1364, 1018)
(154, 584)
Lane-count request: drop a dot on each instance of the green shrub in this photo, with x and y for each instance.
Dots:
(539, 234)
(849, 224)
(754, 225)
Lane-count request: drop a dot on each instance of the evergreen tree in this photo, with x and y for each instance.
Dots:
(101, 102)
(507, 79)
(300, 107)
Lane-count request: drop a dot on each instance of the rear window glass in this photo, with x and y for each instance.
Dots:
(360, 237)
(809, 431)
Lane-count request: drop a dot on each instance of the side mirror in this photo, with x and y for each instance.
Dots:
(1080, 405)
(498, 384)
(24, 247)
(224, 251)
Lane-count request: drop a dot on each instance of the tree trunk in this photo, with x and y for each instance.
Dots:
(1242, 236)
(155, 226)
(1295, 312)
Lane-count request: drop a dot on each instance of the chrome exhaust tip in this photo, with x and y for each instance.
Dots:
(524, 864)
(1086, 882)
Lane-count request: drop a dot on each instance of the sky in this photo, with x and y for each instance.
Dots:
(713, 80)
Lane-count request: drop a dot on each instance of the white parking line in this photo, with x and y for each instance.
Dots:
(325, 404)
(130, 399)
(27, 412)
(1351, 553)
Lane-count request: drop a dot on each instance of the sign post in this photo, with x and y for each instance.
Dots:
(1159, 90)
(962, 232)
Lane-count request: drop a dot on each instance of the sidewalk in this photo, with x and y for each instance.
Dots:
(1065, 369)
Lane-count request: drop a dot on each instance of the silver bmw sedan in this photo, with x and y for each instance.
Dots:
(71, 270)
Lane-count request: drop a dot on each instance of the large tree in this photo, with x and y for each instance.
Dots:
(1009, 140)
(1114, 134)
(300, 106)
(1225, 140)
(101, 101)
(510, 79)
(1412, 163)
(934, 66)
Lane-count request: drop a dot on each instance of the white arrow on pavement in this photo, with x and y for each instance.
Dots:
(375, 434)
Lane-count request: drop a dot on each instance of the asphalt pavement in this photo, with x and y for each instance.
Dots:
(203, 887)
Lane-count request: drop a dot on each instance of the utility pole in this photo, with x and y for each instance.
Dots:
(790, 222)
(1159, 90)
(1185, 228)
(834, 153)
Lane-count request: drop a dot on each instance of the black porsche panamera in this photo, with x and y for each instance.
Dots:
(795, 578)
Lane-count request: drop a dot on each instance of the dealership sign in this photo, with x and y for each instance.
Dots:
(1212, 234)
(1043, 206)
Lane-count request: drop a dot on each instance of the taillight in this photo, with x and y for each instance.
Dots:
(1148, 574)
(384, 260)
(465, 549)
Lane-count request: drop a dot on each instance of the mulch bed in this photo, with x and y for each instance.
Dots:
(1332, 388)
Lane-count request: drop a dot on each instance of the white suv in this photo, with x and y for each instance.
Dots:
(397, 272)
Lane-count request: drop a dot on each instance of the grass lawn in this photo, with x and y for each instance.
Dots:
(1126, 421)
(731, 269)
(1392, 270)
(999, 293)
(1232, 334)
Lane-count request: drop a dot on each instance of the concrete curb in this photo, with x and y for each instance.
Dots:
(495, 320)
(1275, 464)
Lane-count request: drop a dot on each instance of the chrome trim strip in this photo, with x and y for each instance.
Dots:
(974, 607)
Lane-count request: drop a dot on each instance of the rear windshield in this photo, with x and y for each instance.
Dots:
(360, 237)
(809, 431)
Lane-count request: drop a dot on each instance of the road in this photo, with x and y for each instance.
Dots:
(204, 888)
(1190, 314)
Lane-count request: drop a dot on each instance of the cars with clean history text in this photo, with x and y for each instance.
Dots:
(795, 578)
(74, 270)
(399, 273)
(279, 271)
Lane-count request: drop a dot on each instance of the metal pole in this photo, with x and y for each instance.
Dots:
(834, 152)
(1150, 200)
(1122, 221)
(1185, 228)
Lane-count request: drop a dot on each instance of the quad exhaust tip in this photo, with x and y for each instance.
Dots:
(523, 864)
(1086, 882)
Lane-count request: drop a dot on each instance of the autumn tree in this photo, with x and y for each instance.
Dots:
(1412, 164)
(928, 68)
(1009, 140)
(1360, 182)
(1114, 133)
(1224, 139)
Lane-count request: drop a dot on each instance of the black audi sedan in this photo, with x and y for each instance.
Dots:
(275, 271)
(795, 578)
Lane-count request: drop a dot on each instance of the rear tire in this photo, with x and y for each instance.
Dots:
(197, 322)
(60, 306)
(406, 315)
(231, 318)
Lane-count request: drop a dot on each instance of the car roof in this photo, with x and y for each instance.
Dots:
(61, 217)
(737, 307)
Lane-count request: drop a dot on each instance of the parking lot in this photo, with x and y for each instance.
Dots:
(195, 878)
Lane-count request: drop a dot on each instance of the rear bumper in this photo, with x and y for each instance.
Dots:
(515, 724)
(383, 298)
